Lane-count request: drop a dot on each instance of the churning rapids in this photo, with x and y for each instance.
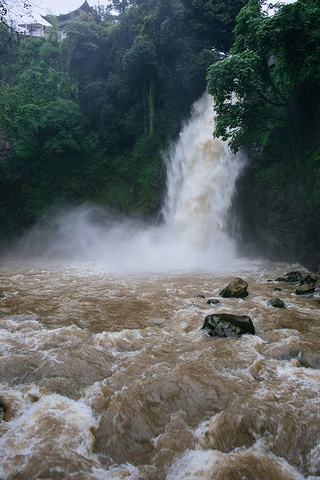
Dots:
(105, 371)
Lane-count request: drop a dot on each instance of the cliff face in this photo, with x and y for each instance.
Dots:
(277, 210)
(5, 148)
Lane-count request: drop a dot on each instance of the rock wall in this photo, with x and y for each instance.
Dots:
(5, 148)
(276, 210)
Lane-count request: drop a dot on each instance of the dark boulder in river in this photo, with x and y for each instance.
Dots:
(309, 279)
(277, 303)
(290, 277)
(2, 411)
(305, 288)
(227, 325)
(238, 289)
(213, 301)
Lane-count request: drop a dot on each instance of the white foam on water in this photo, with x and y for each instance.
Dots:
(52, 424)
(206, 465)
(314, 460)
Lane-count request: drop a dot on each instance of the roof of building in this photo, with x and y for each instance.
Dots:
(68, 17)
(35, 19)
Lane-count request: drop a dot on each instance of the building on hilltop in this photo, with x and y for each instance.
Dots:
(37, 25)
(33, 27)
(64, 19)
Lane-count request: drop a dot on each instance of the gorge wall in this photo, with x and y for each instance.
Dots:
(276, 210)
(5, 148)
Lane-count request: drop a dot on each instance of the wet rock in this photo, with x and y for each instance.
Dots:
(200, 296)
(305, 288)
(5, 148)
(2, 411)
(291, 277)
(159, 321)
(309, 359)
(213, 301)
(238, 289)
(277, 303)
(308, 279)
(227, 325)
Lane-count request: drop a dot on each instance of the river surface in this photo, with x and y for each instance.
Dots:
(109, 376)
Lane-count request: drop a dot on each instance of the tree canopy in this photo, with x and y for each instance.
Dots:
(267, 102)
(88, 117)
(271, 76)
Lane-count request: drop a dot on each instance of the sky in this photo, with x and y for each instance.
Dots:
(56, 7)
(63, 6)
(17, 13)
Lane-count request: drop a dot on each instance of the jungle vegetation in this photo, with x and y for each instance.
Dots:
(88, 117)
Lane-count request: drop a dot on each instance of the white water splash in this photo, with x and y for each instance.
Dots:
(201, 180)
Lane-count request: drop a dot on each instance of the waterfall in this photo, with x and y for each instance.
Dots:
(201, 178)
(200, 184)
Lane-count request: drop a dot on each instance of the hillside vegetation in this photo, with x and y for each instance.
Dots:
(267, 99)
(88, 117)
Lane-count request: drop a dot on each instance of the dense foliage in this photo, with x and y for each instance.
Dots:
(267, 100)
(88, 117)
(271, 78)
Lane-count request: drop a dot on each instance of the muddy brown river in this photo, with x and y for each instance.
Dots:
(109, 376)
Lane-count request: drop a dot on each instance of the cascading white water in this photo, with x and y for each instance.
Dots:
(201, 181)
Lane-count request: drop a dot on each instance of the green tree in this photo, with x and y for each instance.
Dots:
(120, 6)
(215, 20)
(271, 74)
(140, 64)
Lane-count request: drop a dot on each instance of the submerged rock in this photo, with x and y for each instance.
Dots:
(158, 321)
(227, 325)
(291, 277)
(309, 359)
(278, 351)
(213, 301)
(238, 289)
(277, 289)
(305, 288)
(277, 303)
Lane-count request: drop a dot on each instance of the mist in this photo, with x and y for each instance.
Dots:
(201, 177)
